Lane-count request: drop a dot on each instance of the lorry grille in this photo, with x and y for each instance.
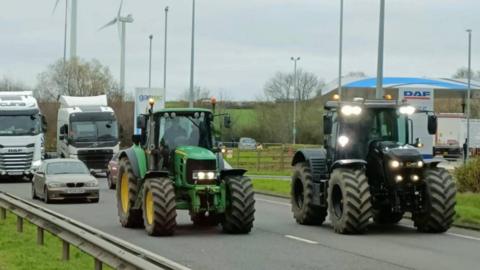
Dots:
(96, 159)
(199, 165)
(19, 161)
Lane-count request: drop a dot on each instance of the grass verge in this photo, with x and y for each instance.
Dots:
(468, 204)
(19, 251)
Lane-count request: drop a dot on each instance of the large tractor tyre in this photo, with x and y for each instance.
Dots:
(159, 207)
(385, 216)
(110, 183)
(239, 213)
(302, 192)
(204, 220)
(127, 192)
(440, 202)
(349, 202)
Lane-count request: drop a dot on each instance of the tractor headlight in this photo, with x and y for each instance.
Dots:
(343, 140)
(395, 164)
(204, 175)
(414, 177)
(408, 110)
(348, 110)
(398, 178)
(420, 164)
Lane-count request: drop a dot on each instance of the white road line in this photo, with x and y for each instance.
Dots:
(274, 202)
(301, 239)
(464, 236)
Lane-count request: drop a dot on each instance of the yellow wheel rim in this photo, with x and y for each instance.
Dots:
(124, 196)
(149, 206)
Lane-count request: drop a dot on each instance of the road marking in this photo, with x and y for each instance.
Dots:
(274, 202)
(464, 236)
(301, 239)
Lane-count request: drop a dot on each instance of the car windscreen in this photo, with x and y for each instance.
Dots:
(67, 168)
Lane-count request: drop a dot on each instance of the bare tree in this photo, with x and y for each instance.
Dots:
(8, 84)
(199, 93)
(76, 78)
(462, 73)
(281, 86)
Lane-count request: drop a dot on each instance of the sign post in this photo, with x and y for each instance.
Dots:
(142, 95)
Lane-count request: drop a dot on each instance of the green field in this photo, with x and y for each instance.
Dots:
(19, 251)
(468, 204)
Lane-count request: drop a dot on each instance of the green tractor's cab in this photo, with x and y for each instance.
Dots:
(175, 163)
(370, 167)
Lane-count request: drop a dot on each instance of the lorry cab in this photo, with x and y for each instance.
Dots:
(22, 128)
(87, 130)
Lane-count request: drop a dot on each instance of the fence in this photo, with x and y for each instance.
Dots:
(102, 247)
(266, 158)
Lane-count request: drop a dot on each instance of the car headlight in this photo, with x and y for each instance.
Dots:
(394, 164)
(37, 163)
(56, 184)
(343, 140)
(408, 110)
(348, 110)
(204, 175)
(91, 184)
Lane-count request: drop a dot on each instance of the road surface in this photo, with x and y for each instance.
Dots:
(277, 242)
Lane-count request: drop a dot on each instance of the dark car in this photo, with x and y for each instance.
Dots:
(112, 172)
(59, 179)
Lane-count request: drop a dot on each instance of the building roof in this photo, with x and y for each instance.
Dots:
(401, 82)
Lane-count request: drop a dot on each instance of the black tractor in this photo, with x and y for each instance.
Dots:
(369, 167)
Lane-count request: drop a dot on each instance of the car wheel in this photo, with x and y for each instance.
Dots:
(46, 198)
(34, 195)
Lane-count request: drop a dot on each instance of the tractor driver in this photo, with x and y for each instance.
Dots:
(173, 136)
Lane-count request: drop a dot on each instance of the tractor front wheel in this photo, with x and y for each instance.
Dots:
(349, 200)
(127, 192)
(440, 209)
(239, 213)
(302, 195)
(159, 206)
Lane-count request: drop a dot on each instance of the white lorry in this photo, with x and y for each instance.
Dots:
(451, 134)
(22, 128)
(87, 130)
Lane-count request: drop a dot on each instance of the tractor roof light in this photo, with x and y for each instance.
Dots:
(151, 102)
(349, 110)
(408, 110)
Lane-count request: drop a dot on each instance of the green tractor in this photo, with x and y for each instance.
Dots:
(175, 164)
(370, 168)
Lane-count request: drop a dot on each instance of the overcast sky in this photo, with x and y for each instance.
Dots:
(241, 44)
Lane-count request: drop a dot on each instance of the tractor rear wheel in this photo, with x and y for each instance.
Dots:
(127, 192)
(349, 201)
(159, 206)
(239, 213)
(440, 198)
(302, 192)
(386, 216)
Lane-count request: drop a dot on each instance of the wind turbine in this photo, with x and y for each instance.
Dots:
(73, 28)
(65, 30)
(121, 22)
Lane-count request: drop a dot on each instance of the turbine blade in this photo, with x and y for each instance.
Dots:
(55, 7)
(120, 9)
(112, 22)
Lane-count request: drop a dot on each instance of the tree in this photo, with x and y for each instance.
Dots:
(462, 73)
(8, 84)
(76, 77)
(281, 86)
(199, 93)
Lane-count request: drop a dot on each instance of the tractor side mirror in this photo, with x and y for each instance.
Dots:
(432, 124)
(327, 125)
(141, 122)
(227, 121)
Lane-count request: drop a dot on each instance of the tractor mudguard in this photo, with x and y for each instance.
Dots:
(433, 162)
(348, 163)
(316, 158)
(232, 172)
(132, 155)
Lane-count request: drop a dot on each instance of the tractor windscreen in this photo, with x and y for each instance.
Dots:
(357, 132)
(185, 130)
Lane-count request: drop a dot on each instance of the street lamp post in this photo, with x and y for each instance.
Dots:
(295, 86)
(379, 92)
(340, 52)
(192, 54)
(165, 53)
(150, 63)
(469, 81)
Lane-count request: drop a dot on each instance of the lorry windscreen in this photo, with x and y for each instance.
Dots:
(93, 131)
(20, 125)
